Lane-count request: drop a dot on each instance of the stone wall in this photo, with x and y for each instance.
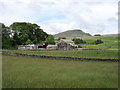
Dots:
(58, 57)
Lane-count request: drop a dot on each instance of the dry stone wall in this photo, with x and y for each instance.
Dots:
(59, 57)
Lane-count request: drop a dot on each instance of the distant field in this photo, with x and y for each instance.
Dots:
(26, 72)
(102, 54)
(110, 41)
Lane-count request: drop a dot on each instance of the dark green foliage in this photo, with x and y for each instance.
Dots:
(50, 40)
(29, 42)
(79, 46)
(97, 35)
(16, 39)
(29, 31)
(6, 39)
(98, 41)
(78, 41)
(22, 33)
(61, 38)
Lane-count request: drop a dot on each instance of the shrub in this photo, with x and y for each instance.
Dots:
(61, 38)
(50, 39)
(79, 46)
(97, 35)
(78, 41)
(98, 41)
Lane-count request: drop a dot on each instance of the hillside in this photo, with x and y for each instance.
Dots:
(72, 33)
(110, 41)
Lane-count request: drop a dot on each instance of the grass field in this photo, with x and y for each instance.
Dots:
(26, 72)
(110, 41)
(105, 54)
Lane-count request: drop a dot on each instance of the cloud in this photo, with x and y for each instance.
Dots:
(91, 16)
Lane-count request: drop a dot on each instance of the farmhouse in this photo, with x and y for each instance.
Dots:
(62, 44)
(65, 44)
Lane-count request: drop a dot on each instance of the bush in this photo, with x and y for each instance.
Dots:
(97, 35)
(50, 39)
(78, 41)
(61, 38)
(98, 41)
(79, 46)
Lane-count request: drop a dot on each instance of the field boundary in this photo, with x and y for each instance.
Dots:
(59, 57)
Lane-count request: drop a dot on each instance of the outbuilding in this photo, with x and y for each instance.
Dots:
(65, 44)
(52, 47)
(32, 47)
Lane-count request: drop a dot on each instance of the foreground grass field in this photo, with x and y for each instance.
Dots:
(26, 72)
(104, 54)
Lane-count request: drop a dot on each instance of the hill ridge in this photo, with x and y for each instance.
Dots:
(72, 33)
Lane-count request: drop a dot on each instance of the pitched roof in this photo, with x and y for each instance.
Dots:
(52, 46)
(67, 40)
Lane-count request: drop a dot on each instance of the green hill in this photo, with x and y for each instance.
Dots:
(110, 41)
(72, 33)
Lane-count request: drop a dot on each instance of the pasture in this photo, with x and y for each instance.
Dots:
(110, 41)
(27, 72)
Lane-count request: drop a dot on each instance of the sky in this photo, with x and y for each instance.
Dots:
(54, 16)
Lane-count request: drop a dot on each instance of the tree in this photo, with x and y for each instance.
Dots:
(29, 42)
(16, 39)
(21, 33)
(98, 41)
(25, 31)
(97, 35)
(78, 41)
(61, 38)
(50, 39)
(6, 39)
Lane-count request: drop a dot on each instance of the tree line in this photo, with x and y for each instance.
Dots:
(81, 41)
(23, 33)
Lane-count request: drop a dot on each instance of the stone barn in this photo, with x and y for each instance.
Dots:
(65, 44)
(52, 47)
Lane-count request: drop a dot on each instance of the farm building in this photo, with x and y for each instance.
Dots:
(64, 44)
(31, 47)
(52, 47)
